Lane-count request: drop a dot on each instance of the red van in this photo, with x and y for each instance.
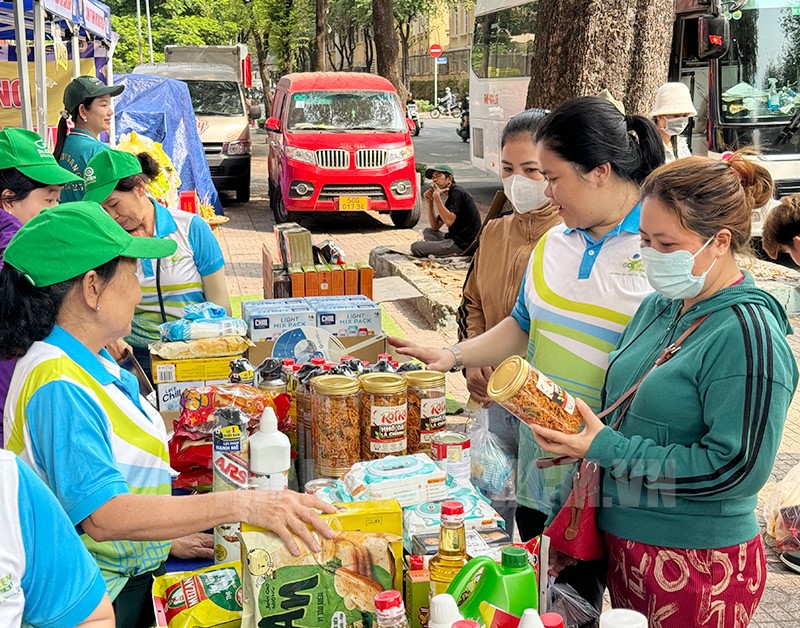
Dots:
(339, 141)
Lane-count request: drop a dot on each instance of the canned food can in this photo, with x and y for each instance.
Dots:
(451, 452)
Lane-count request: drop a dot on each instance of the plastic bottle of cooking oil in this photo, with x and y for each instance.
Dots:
(452, 553)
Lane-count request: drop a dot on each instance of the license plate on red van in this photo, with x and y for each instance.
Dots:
(353, 203)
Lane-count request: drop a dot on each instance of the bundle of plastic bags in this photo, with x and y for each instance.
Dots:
(202, 320)
(493, 465)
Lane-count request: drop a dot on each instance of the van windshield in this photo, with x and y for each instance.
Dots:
(216, 98)
(345, 111)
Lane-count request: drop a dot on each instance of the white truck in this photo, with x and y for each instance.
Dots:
(215, 78)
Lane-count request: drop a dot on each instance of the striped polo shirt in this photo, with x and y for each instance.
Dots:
(577, 296)
(39, 585)
(79, 422)
(181, 275)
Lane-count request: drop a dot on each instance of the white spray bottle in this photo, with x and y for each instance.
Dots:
(270, 455)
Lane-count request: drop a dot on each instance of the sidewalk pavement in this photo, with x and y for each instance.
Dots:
(250, 226)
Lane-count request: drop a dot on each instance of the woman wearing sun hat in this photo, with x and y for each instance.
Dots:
(87, 100)
(118, 181)
(68, 288)
(671, 114)
(30, 180)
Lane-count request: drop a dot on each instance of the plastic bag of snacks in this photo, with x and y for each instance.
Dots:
(202, 348)
(202, 311)
(211, 597)
(493, 465)
(184, 329)
(782, 511)
(190, 445)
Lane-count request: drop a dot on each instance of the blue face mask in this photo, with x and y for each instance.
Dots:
(670, 274)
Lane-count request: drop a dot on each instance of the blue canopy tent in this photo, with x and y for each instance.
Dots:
(161, 109)
(23, 20)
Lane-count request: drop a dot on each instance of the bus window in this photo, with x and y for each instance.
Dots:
(503, 42)
(760, 73)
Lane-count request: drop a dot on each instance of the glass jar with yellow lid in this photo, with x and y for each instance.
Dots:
(383, 415)
(335, 424)
(532, 397)
(426, 409)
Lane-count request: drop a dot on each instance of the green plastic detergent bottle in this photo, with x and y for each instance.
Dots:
(510, 586)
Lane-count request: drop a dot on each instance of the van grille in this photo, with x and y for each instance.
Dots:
(333, 159)
(370, 158)
(212, 148)
(785, 187)
(332, 191)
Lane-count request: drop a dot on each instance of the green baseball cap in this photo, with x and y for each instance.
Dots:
(71, 239)
(85, 87)
(105, 170)
(27, 152)
(440, 168)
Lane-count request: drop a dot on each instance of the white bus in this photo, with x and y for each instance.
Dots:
(748, 97)
(502, 49)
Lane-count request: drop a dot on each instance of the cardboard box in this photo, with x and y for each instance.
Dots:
(417, 597)
(369, 352)
(365, 277)
(169, 417)
(298, 279)
(296, 247)
(347, 316)
(382, 516)
(266, 271)
(337, 280)
(277, 230)
(193, 370)
(267, 320)
(350, 278)
(312, 281)
(324, 273)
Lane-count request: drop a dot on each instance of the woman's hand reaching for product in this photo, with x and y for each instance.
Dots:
(477, 379)
(573, 445)
(198, 546)
(287, 514)
(435, 359)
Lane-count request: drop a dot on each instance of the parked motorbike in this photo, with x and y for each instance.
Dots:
(463, 128)
(413, 114)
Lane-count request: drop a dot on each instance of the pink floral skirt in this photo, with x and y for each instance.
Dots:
(678, 588)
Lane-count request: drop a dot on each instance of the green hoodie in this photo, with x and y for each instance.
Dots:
(701, 435)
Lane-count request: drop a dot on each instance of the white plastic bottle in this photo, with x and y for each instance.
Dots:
(270, 455)
(622, 618)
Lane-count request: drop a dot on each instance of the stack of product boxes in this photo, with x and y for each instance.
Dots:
(295, 274)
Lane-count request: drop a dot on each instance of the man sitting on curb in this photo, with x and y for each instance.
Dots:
(451, 205)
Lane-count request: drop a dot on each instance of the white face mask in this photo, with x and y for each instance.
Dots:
(525, 194)
(676, 126)
(670, 274)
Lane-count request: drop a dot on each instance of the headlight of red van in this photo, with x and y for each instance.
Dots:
(394, 155)
(301, 154)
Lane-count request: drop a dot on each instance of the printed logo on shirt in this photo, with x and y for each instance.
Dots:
(632, 266)
(6, 584)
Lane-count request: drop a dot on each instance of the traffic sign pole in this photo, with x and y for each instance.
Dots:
(435, 51)
(435, 83)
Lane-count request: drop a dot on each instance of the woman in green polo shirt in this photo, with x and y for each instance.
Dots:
(87, 100)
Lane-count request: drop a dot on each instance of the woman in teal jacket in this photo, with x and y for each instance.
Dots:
(683, 472)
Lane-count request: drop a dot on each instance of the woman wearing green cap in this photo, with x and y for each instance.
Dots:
(30, 180)
(87, 100)
(118, 181)
(78, 420)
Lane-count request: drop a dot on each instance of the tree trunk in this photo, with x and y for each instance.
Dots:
(619, 45)
(318, 58)
(386, 44)
(369, 51)
(262, 51)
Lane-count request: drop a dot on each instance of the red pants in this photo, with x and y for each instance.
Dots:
(715, 588)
